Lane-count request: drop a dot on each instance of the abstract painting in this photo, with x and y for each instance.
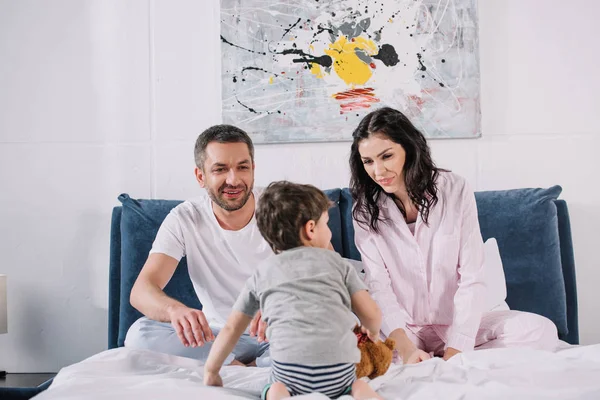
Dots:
(309, 70)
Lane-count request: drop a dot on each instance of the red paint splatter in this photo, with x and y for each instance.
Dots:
(372, 65)
(356, 99)
(417, 100)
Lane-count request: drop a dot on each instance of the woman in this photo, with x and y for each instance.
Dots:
(417, 230)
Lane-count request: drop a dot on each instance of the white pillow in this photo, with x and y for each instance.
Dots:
(495, 282)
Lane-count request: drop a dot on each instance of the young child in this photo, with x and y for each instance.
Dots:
(306, 293)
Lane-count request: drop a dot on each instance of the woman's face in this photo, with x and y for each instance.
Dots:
(383, 160)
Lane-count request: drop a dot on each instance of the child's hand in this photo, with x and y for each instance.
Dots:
(373, 337)
(212, 379)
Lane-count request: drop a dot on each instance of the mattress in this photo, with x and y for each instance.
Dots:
(573, 372)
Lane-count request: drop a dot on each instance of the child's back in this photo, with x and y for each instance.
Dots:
(304, 294)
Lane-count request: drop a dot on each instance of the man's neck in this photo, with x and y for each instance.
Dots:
(235, 220)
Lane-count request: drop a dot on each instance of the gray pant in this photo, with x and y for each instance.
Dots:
(161, 337)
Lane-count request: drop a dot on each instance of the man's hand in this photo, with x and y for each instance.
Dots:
(258, 327)
(191, 326)
(212, 379)
(450, 352)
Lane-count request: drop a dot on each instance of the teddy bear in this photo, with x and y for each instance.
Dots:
(375, 358)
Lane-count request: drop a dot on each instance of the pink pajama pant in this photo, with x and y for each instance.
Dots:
(498, 329)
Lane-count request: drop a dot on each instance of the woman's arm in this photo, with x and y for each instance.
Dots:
(380, 287)
(468, 298)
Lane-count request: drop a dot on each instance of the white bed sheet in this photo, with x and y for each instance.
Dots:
(570, 373)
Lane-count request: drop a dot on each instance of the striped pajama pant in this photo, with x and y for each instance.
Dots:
(331, 380)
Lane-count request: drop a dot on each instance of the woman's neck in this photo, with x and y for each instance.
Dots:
(403, 201)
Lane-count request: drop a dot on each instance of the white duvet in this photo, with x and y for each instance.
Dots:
(571, 373)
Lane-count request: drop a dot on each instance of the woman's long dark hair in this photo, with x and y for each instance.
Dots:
(420, 172)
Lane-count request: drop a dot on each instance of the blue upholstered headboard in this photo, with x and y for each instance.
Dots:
(531, 226)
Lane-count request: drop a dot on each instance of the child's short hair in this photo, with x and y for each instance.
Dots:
(283, 210)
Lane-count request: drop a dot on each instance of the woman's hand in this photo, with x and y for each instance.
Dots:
(415, 356)
(409, 353)
(450, 352)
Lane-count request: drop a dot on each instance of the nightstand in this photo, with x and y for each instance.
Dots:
(24, 386)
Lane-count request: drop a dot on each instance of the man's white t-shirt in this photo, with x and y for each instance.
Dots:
(219, 261)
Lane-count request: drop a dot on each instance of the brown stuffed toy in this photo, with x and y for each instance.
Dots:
(375, 358)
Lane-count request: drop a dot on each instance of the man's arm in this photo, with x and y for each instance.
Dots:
(147, 296)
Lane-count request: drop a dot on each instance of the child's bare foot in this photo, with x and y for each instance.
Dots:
(277, 391)
(252, 364)
(362, 391)
(236, 363)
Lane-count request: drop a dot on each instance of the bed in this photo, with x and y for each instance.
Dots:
(532, 229)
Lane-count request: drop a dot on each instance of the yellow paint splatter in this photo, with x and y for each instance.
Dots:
(270, 80)
(316, 70)
(347, 64)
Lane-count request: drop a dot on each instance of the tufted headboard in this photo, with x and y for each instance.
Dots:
(532, 228)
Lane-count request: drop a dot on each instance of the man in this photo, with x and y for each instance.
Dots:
(218, 235)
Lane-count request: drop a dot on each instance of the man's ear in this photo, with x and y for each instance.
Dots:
(200, 177)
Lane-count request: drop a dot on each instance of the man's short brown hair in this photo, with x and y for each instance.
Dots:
(283, 210)
(220, 134)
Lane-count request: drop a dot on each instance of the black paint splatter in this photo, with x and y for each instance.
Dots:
(378, 32)
(324, 61)
(321, 29)
(291, 27)
(240, 47)
(423, 67)
(388, 55)
(252, 110)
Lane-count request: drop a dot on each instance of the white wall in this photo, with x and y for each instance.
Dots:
(103, 97)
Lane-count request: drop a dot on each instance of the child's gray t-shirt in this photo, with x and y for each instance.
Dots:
(304, 295)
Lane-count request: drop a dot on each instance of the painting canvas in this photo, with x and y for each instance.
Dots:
(309, 70)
